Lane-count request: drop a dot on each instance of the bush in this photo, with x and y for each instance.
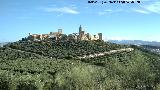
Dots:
(27, 86)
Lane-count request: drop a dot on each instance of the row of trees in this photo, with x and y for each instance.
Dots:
(13, 54)
(64, 49)
(136, 70)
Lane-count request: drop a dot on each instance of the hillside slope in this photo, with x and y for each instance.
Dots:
(32, 68)
(64, 49)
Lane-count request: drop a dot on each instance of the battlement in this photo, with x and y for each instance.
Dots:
(81, 35)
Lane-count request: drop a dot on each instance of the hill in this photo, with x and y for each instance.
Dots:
(64, 49)
(3, 43)
(54, 65)
(155, 49)
(136, 42)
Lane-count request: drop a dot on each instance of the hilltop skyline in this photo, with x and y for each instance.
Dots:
(138, 21)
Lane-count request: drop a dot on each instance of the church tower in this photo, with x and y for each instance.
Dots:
(81, 33)
(80, 29)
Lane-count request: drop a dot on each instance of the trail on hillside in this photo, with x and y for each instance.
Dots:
(95, 54)
(106, 53)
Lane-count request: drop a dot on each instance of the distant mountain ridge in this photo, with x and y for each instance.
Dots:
(3, 43)
(136, 42)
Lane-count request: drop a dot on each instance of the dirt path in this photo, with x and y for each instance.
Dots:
(105, 53)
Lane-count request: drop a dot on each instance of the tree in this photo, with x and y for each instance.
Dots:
(71, 37)
(63, 37)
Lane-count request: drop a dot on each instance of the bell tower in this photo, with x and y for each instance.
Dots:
(80, 29)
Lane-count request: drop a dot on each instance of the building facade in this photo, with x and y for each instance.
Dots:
(81, 35)
(38, 37)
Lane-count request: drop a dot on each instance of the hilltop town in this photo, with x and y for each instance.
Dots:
(81, 35)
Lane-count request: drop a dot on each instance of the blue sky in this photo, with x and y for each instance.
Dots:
(138, 21)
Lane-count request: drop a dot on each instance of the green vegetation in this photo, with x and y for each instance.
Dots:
(64, 49)
(28, 65)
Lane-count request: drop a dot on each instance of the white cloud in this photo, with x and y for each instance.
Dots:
(146, 7)
(107, 11)
(154, 7)
(101, 13)
(141, 11)
(62, 10)
(150, 8)
(59, 15)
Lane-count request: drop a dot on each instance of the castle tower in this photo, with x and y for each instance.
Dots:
(88, 36)
(60, 31)
(100, 36)
(80, 29)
